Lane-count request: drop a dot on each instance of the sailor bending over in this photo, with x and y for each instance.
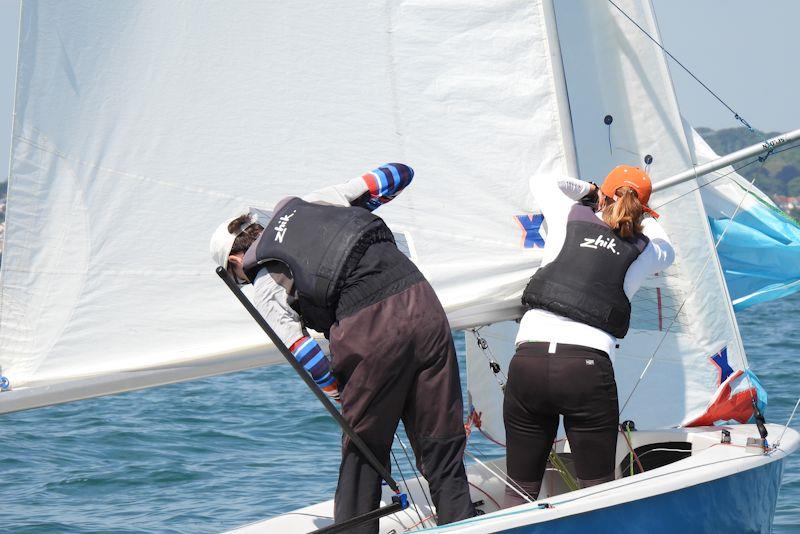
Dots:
(579, 305)
(327, 263)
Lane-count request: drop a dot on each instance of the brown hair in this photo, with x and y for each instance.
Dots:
(246, 238)
(625, 215)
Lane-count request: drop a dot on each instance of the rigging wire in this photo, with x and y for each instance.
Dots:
(405, 483)
(504, 480)
(746, 365)
(707, 88)
(488, 496)
(786, 426)
(762, 159)
(414, 470)
(680, 308)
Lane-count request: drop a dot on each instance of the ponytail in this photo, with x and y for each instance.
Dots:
(625, 215)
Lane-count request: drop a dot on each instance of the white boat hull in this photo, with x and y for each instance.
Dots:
(719, 486)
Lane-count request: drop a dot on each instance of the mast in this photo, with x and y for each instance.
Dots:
(754, 150)
(561, 92)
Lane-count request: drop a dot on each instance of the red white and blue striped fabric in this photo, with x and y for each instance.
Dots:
(386, 182)
(309, 354)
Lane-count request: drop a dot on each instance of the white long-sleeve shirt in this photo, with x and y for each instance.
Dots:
(556, 196)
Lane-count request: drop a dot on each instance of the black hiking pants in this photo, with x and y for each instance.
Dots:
(395, 360)
(576, 382)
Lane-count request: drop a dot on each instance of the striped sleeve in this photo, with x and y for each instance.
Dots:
(309, 354)
(386, 182)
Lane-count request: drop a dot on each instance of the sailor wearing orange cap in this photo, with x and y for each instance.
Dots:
(601, 245)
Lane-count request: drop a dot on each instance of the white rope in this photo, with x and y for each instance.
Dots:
(501, 478)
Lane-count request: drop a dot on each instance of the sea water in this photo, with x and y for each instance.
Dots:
(212, 454)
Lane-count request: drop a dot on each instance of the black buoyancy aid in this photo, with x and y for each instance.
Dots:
(586, 280)
(320, 244)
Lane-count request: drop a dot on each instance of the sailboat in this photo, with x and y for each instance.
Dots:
(139, 127)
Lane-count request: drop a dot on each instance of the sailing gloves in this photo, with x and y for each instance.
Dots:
(592, 198)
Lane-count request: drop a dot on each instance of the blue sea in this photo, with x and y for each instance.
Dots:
(214, 454)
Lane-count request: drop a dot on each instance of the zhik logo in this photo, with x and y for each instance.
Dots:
(280, 230)
(607, 244)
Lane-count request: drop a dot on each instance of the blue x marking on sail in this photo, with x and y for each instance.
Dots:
(531, 226)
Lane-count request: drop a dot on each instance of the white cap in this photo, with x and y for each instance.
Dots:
(222, 241)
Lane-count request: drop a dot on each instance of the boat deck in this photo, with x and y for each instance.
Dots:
(682, 468)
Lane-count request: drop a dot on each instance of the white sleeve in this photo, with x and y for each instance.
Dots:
(272, 302)
(553, 194)
(662, 252)
(340, 194)
(656, 256)
(573, 188)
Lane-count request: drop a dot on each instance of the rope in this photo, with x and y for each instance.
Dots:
(502, 479)
(402, 476)
(633, 453)
(778, 443)
(418, 523)
(559, 466)
(690, 73)
(630, 447)
(486, 456)
(485, 493)
(414, 470)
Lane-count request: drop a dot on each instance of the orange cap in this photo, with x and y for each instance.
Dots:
(633, 177)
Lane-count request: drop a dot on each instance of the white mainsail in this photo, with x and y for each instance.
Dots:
(683, 317)
(138, 127)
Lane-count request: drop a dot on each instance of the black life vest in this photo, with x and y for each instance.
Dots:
(586, 280)
(320, 244)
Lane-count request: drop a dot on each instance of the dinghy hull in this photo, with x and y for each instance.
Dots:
(718, 486)
(744, 502)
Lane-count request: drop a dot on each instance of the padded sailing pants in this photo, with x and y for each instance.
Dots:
(576, 382)
(395, 360)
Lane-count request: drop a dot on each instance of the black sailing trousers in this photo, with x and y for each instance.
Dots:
(576, 382)
(395, 360)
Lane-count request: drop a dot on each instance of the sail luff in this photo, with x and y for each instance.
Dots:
(562, 91)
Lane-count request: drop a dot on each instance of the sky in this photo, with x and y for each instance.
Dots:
(742, 49)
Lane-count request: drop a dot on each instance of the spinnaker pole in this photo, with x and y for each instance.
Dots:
(399, 501)
(753, 150)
